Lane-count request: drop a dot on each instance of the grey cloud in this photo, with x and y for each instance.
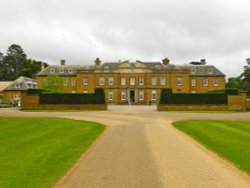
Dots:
(80, 30)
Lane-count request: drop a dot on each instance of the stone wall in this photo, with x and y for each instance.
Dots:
(31, 102)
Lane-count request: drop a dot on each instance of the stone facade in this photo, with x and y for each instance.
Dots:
(136, 82)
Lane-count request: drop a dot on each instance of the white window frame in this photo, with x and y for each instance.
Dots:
(141, 95)
(163, 81)
(123, 95)
(111, 81)
(193, 71)
(193, 82)
(17, 85)
(216, 82)
(73, 81)
(101, 81)
(153, 95)
(141, 81)
(123, 81)
(193, 91)
(61, 70)
(179, 80)
(110, 94)
(70, 70)
(153, 80)
(85, 91)
(65, 81)
(85, 81)
(132, 81)
(52, 70)
(210, 70)
(205, 82)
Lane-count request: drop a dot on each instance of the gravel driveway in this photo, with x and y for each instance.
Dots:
(141, 149)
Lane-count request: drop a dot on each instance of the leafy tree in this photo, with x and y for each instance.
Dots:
(243, 81)
(31, 68)
(13, 61)
(1, 66)
(15, 64)
(233, 83)
(54, 83)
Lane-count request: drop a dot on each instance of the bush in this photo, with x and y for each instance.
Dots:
(167, 97)
(34, 91)
(73, 98)
(224, 91)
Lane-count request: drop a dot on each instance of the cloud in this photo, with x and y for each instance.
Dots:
(80, 30)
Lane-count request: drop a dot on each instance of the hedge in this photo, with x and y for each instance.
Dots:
(225, 91)
(167, 97)
(73, 98)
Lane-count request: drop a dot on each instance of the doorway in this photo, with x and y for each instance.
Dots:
(132, 96)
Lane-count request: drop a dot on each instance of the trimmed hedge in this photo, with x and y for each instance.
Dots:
(34, 91)
(167, 97)
(224, 91)
(73, 98)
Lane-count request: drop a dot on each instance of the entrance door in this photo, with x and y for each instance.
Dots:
(132, 96)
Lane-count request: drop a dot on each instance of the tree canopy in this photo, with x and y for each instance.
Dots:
(15, 64)
(241, 82)
(54, 83)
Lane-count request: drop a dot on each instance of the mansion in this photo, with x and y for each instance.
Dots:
(137, 82)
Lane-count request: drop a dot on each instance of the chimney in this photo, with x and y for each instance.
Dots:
(63, 62)
(165, 61)
(42, 66)
(97, 62)
(203, 61)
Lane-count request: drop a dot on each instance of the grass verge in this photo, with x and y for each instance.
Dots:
(229, 139)
(36, 152)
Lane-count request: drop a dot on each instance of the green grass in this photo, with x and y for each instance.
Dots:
(60, 110)
(36, 152)
(229, 139)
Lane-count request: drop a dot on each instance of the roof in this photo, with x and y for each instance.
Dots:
(4, 84)
(71, 70)
(21, 84)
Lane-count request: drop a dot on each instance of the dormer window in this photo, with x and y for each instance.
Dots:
(157, 67)
(52, 71)
(61, 71)
(210, 70)
(70, 71)
(106, 68)
(193, 71)
(17, 85)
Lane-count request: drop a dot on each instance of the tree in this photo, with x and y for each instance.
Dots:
(54, 83)
(31, 68)
(1, 66)
(243, 81)
(13, 62)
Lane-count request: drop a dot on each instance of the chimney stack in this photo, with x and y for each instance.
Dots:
(98, 62)
(42, 66)
(203, 61)
(165, 61)
(63, 62)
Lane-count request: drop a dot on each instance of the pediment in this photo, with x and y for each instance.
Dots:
(124, 65)
(140, 64)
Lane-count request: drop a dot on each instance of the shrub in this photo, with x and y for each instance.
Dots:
(73, 98)
(167, 97)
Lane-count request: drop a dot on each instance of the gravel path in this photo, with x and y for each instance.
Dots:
(140, 148)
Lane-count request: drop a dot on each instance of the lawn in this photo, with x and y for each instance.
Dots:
(36, 152)
(229, 139)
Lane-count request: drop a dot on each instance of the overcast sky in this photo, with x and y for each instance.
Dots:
(81, 30)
